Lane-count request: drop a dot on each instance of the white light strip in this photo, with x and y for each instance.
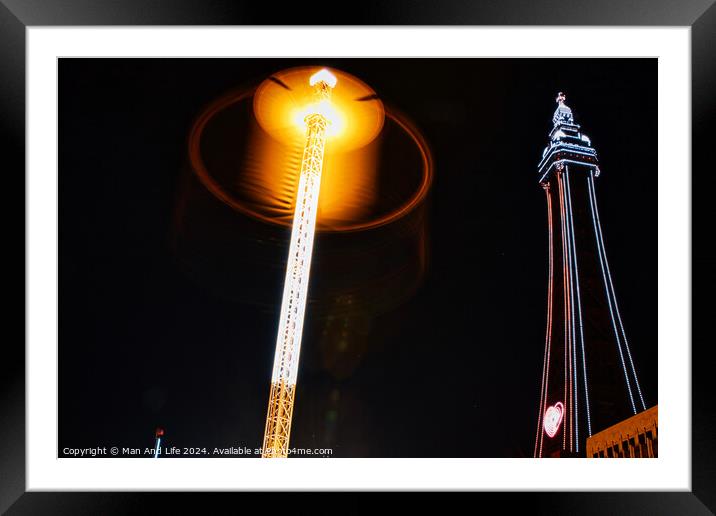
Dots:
(570, 312)
(293, 305)
(563, 162)
(579, 311)
(573, 337)
(590, 179)
(569, 317)
(616, 304)
(156, 450)
(565, 288)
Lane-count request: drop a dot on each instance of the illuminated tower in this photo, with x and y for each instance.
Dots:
(293, 304)
(589, 379)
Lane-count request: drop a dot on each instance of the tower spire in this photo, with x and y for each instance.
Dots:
(563, 114)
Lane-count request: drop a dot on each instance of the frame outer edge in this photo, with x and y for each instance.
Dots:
(703, 120)
(369, 12)
(12, 127)
(12, 361)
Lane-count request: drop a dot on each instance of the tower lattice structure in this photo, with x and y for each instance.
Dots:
(589, 378)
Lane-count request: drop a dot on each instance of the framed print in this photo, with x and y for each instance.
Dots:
(420, 249)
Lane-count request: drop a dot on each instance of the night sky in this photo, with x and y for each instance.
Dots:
(151, 334)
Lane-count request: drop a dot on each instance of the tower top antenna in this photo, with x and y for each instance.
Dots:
(561, 97)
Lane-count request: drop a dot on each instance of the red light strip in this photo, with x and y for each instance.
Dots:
(567, 312)
(548, 334)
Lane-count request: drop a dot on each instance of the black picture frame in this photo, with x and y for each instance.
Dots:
(17, 15)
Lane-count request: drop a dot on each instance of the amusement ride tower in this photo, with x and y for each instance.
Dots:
(293, 304)
(589, 378)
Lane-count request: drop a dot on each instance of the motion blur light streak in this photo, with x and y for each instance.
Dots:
(370, 209)
(272, 150)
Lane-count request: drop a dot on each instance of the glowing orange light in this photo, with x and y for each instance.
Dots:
(334, 116)
(282, 102)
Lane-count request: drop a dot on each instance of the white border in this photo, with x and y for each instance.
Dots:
(671, 471)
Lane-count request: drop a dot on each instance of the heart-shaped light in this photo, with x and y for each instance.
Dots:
(553, 418)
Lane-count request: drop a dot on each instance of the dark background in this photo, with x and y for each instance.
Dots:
(454, 371)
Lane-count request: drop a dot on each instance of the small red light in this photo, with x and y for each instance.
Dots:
(159, 432)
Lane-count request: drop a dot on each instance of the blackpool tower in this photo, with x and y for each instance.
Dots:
(589, 375)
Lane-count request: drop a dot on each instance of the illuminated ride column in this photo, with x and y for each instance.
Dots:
(293, 304)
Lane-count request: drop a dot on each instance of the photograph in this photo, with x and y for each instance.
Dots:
(357, 257)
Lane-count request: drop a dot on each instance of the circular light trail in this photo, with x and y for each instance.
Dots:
(210, 182)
